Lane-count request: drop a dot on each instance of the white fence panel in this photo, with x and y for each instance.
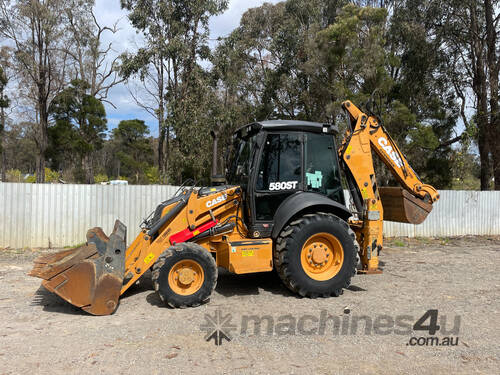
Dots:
(457, 213)
(42, 215)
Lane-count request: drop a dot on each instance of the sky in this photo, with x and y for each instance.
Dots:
(108, 12)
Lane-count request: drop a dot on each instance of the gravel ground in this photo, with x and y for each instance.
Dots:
(40, 333)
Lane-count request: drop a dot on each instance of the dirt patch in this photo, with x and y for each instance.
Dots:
(40, 333)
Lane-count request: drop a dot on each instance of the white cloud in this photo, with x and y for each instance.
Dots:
(223, 24)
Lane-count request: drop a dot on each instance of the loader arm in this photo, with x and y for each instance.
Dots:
(93, 276)
(411, 204)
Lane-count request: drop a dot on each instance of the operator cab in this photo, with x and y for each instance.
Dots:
(273, 160)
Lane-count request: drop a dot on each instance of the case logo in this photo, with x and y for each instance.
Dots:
(389, 151)
(219, 199)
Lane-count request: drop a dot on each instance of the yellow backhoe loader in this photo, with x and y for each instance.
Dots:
(281, 207)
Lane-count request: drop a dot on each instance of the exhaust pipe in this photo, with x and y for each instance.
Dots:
(216, 179)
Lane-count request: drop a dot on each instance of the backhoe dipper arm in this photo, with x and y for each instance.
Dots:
(367, 134)
(369, 130)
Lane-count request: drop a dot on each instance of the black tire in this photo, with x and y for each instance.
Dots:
(169, 258)
(287, 255)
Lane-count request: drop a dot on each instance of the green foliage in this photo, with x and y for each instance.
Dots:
(50, 176)
(80, 127)
(176, 36)
(101, 177)
(399, 243)
(152, 174)
(31, 179)
(133, 149)
(296, 59)
(14, 175)
(300, 59)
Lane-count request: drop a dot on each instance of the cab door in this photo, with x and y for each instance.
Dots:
(279, 174)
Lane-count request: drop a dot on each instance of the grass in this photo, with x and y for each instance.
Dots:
(74, 246)
(399, 243)
(444, 240)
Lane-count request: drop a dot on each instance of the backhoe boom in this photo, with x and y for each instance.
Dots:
(411, 205)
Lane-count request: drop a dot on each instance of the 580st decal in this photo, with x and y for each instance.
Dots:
(286, 185)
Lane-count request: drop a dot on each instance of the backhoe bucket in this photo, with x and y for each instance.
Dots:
(401, 206)
(89, 276)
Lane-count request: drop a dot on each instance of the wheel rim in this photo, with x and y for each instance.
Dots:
(186, 277)
(322, 256)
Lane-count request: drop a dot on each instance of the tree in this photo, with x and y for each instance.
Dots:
(492, 38)
(176, 38)
(80, 124)
(300, 59)
(19, 147)
(133, 149)
(36, 30)
(423, 83)
(4, 103)
(470, 34)
(91, 61)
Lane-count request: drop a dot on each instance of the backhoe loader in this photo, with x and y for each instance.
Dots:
(281, 207)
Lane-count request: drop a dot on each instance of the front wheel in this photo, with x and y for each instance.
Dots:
(184, 275)
(316, 255)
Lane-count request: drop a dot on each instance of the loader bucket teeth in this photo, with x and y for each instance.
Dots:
(403, 207)
(89, 276)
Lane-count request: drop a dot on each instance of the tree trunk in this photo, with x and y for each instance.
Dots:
(482, 123)
(161, 138)
(161, 121)
(42, 142)
(167, 152)
(88, 167)
(484, 156)
(493, 67)
(4, 177)
(2, 152)
(479, 86)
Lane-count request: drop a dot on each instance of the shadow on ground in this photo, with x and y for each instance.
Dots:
(228, 285)
(53, 303)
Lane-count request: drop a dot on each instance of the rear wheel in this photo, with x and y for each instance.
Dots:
(184, 275)
(316, 255)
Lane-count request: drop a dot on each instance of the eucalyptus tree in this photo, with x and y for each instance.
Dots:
(37, 31)
(4, 103)
(175, 40)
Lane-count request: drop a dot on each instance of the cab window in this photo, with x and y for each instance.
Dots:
(321, 166)
(240, 166)
(280, 164)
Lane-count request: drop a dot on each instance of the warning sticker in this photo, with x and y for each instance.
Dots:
(148, 258)
(247, 253)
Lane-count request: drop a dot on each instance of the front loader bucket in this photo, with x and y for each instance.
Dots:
(401, 206)
(89, 276)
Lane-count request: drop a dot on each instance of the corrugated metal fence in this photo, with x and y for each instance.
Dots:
(41, 215)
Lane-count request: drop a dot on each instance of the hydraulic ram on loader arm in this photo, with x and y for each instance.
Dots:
(411, 205)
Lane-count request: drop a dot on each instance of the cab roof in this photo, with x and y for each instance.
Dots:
(286, 125)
